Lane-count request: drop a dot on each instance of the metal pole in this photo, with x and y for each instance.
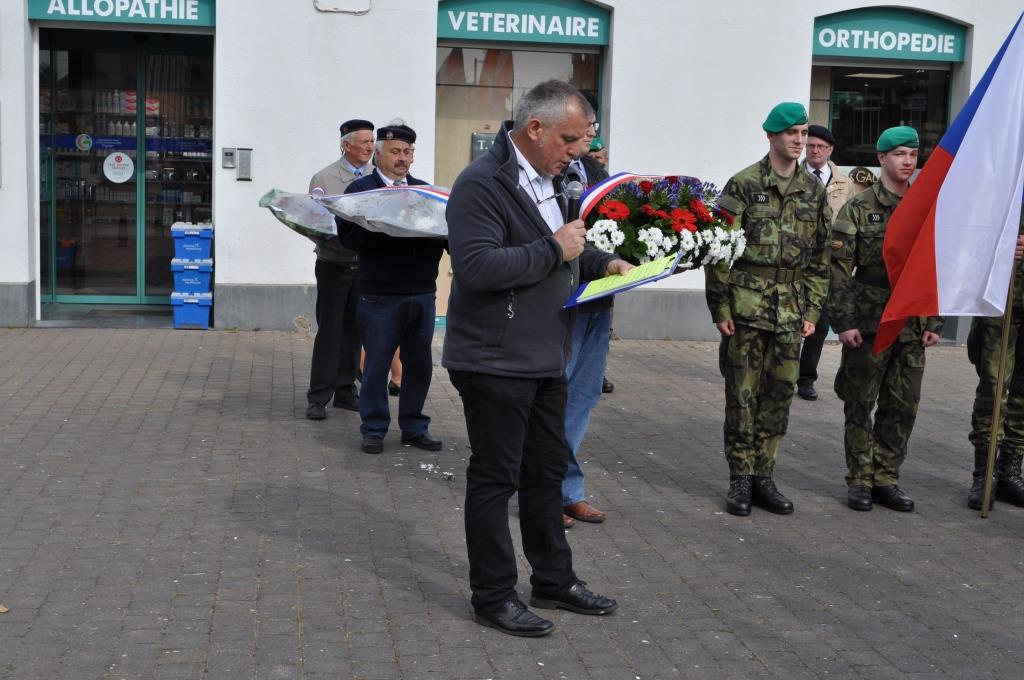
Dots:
(998, 402)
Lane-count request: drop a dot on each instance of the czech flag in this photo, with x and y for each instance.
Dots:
(949, 244)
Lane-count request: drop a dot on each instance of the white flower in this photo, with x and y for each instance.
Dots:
(605, 235)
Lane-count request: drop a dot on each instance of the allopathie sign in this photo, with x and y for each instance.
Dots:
(160, 12)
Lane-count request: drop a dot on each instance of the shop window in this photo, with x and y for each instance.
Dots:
(865, 101)
(477, 89)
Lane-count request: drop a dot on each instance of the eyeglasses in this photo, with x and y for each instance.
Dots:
(818, 147)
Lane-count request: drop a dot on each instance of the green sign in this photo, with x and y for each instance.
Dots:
(544, 21)
(881, 33)
(162, 12)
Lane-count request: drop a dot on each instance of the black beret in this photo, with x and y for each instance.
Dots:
(356, 124)
(401, 133)
(821, 132)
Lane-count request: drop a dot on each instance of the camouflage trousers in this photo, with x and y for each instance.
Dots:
(983, 351)
(760, 370)
(892, 381)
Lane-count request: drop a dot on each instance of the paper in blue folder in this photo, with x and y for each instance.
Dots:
(617, 283)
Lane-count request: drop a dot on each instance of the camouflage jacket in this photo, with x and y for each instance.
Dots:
(782, 277)
(860, 284)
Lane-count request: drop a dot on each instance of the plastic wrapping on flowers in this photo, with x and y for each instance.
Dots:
(644, 218)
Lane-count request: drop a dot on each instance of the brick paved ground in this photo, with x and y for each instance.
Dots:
(167, 512)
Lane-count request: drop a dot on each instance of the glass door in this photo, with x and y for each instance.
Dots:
(178, 161)
(92, 150)
(125, 146)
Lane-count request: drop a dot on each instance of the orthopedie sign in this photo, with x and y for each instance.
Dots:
(162, 12)
(888, 33)
(540, 21)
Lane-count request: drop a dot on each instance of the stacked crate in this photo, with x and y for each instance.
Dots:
(192, 268)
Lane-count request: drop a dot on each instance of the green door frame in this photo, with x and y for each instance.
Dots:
(115, 41)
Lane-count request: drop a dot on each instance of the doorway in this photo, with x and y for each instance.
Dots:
(125, 152)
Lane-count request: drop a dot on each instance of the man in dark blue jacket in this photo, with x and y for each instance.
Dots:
(397, 286)
(516, 263)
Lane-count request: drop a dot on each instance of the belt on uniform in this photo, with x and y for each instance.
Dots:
(777, 274)
(872, 275)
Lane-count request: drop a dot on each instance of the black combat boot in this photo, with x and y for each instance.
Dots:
(768, 497)
(977, 492)
(738, 500)
(1009, 484)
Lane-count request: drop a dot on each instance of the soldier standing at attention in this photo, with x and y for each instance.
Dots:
(983, 350)
(768, 302)
(892, 379)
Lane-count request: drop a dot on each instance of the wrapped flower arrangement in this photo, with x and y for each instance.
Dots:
(644, 217)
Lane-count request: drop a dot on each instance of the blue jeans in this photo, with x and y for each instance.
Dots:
(585, 372)
(387, 322)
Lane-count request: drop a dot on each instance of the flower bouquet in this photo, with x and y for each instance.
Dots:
(646, 217)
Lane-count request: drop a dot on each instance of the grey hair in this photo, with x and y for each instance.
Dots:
(378, 146)
(548, 102)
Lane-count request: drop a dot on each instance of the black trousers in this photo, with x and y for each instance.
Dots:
(336, 347)
(517, 434)
(810, 353)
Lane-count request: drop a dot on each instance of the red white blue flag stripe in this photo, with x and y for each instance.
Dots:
(594, 194)
(949, 244)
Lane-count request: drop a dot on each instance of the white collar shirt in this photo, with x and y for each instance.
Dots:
(390, 182)
(357, 171)
(826, 173)
(539, 189)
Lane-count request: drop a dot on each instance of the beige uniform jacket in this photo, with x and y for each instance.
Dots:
(332, 181)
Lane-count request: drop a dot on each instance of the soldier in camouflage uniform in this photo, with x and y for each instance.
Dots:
(892, 379)
(766, 303)
(983, 345)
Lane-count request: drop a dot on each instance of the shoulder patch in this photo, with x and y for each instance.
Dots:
(759, 198)
(874, 218)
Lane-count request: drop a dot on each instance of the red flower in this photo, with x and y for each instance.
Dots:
(648, 209)
(662, 214)
(614, 210)
(725, 216)
(672, 178)
(646, 187)
(683, 219)
(698, 208)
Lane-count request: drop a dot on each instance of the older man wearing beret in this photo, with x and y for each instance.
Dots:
(766, 303)
(839, 189)
(336, 347)
(888, 383)
(397, 289)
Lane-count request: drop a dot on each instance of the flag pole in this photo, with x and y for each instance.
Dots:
(998, 401)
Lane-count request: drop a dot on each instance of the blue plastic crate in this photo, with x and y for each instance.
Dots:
(192, 241)
(192, 310)
(192, 276)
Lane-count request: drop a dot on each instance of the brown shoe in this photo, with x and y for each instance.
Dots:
(567, 522)
(584, 512)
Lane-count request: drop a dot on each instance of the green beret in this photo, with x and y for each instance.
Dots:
(785, 116)
(596, 144)
(897, 136)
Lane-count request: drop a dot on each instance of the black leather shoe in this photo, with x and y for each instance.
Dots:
(394, 389)
(512, 617)
(607, 386)
(373, 445)
(767, 497)
(316, 411)
(349, 402)
(893, 498)
(424, 441)
(738, 500)
(577, 599)
(807, 391)
(859, 497)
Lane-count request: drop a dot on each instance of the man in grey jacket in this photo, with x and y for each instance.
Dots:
(516, 262)
(336, 346)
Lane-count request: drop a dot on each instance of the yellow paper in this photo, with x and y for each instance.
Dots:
(635, 275)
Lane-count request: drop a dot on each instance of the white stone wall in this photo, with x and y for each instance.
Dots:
(687, 85)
